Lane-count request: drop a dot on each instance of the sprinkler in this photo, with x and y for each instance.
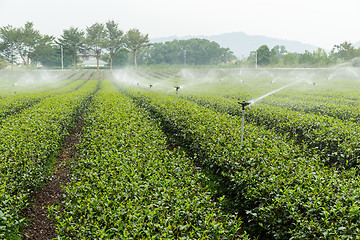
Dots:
(177, 89)
(272, 82)
(243, 105)
(314, 83)
(150, 87)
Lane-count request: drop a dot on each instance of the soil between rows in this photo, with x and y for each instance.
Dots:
(40, 227)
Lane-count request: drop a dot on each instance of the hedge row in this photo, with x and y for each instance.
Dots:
(335, 140)
(127, 185)
(282, 190)
(28, 145)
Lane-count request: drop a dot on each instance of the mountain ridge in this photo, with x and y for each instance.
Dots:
(241, 44)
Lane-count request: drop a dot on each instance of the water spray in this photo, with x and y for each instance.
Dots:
(243, 105)
(177, 89)
(274, 91)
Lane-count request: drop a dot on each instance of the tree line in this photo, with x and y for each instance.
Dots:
(30, 45)
(106, 42)
(278, 56)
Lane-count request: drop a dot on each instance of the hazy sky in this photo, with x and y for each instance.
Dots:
(319, 22)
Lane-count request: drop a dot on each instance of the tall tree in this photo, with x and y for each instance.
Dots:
(72, 40)
(320, 57)
(33, 41)
(12, 44)
(263, 55)
(26, 40)
(8, 48)
(113, 39)
(95, 35)
(135, 41)
(306, 58)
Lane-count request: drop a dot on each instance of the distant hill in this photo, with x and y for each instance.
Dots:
(242, 44)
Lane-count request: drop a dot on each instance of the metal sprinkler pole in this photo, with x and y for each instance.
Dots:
(62, 57)
(243, 105)
(150, 87)
(177, 89)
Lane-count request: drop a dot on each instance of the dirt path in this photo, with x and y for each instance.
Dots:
(40, 227)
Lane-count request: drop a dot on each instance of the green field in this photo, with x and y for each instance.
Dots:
(156, 163)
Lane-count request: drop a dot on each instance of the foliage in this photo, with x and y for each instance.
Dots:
(114, 40)
(127, 185)
(191, 51)
(29, 142)
(345, 51)
(95, 40)
(3, 63)
(73, 42)
(263, 55)
(25, 41)
(135, 41)
(285, 191)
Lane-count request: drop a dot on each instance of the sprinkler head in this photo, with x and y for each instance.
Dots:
(314, 83)
(150, 85)
(244, 104)
(177, 88)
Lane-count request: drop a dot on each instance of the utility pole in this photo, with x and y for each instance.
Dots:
(255, 59)
(184, 57)
(62, 57)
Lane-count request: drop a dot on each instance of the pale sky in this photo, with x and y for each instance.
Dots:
(320, 22)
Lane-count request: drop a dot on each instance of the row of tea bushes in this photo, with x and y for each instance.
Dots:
(127, 185)
(335, 140)
(343, 110)
(28, 145)
(12, 104)
(285, 192)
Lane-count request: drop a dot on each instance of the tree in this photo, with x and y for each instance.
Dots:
(11, 43)
(306, 58)
(320, 57)
(290, 59)
(25, 41)
(32, 41)
(7, 46)
(277, 53)
(192, 51)
(135, 41)
(50, 57)
(344, 51)
(72, 40)
(263, 55)
(95, 35)
(113, 40)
